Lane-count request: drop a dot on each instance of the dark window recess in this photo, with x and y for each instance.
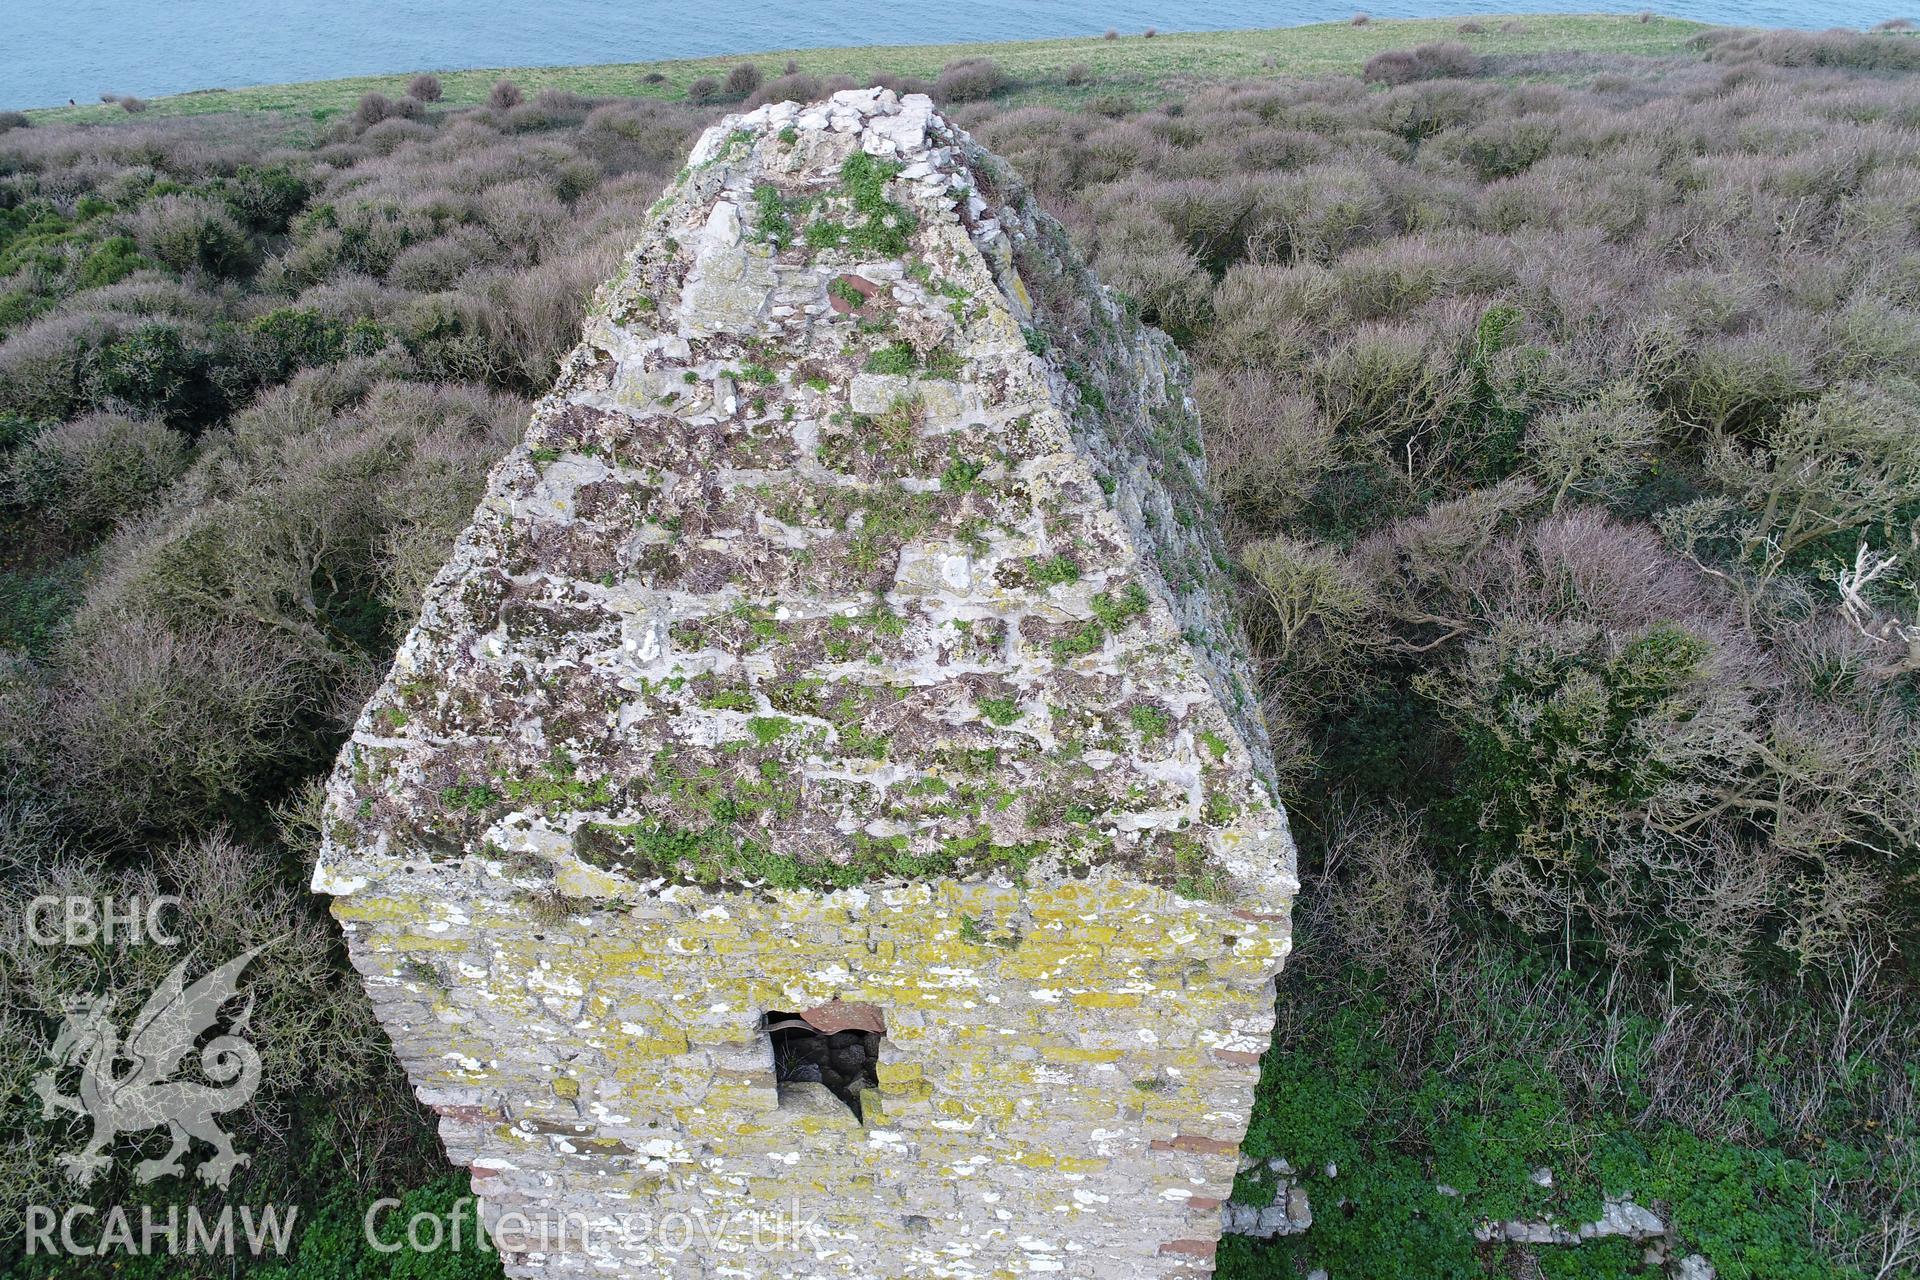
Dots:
(837, 1045)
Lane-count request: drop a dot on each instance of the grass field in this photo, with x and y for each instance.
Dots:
(1133, 64)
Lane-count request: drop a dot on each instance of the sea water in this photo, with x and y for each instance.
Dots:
(53, 50)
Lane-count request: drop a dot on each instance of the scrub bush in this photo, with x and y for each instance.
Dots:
(86, 474)
(741, 82)
(193, 233)
(970, 80)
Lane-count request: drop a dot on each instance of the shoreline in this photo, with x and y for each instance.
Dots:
(1168, 61)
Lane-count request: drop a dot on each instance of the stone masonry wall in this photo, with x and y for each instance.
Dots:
(852, 624)
(1063, 1086)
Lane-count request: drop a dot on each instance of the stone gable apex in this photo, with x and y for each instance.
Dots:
(852, 625)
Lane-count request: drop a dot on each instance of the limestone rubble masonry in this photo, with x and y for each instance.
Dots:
(852, 623)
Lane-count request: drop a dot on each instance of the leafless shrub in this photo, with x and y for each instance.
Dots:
(1267, 446)
(44, 365)
(1445, 58)
(1256, 321)
(1471, 28)
(505, 95)
(792, 68)
(1078, 74)
(232, 899)
(1314, 616)
(325, 462)
(1150, 33)
(1032, 139)
(1143, 258)
(523, 216)
(1738, 381)
(394, 132)
(970, 80)
(1389, 389)
(133, 106)
(1110, 34)
(741, 82)
(1590, 449)
(85, 474)
(10, 120)
(440, 263)
(533, 317)
(790, 88)
(1359, 20)
(373, 108)
(1603, 609)
(149, 293)
(1845, 464)
(556, 102)
(156, 728)
(703, 90)
(1394, 66)
(639, 135)
(1392, 911)
(1837, 48)
(424, 87)
(901, 85)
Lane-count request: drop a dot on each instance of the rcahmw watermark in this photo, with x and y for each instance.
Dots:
(82, 1231)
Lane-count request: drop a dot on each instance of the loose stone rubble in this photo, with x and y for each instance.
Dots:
(1621, 1218)
(1289, 1213)
(853, 625)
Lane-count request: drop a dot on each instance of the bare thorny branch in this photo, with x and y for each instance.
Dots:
(1887, 630)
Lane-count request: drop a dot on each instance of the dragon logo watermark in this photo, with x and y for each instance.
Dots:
(126, 1086)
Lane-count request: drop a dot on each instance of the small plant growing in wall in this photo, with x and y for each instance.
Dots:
(1149, 722)
(424, 974)
(1057, 571)
(1000, 711)
(845, 291)
(961, 474)
(896, 359)
(774, 222)
(880, 227)
(769, 729)
(469, 797)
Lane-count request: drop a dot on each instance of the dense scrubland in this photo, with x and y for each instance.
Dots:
(1562, 408)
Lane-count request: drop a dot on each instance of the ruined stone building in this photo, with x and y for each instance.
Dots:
(820, 824)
